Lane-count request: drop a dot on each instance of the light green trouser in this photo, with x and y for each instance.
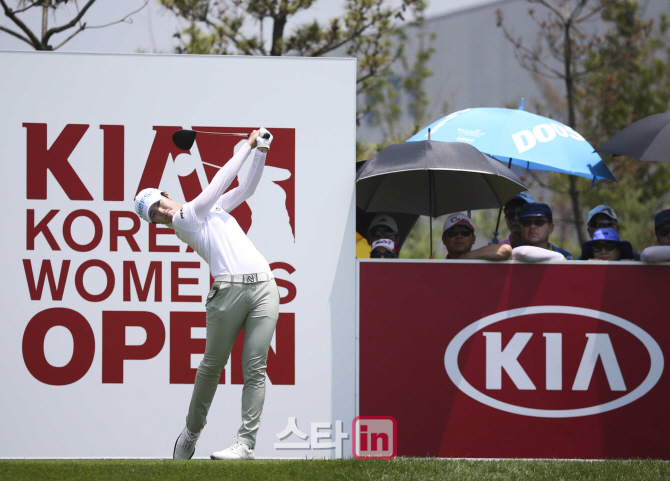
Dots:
(233, 306)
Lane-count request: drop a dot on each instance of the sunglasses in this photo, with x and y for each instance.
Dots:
(536, 222)
(663, 232)
(384, 254)
(608, 246)
(454, 231)
(386, 234)
(602, 224)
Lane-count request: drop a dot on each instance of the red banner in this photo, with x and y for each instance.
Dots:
(517, 361)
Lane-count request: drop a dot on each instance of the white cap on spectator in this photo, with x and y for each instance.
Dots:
(456, 219)
(602, 209)
(385, 220)
(387, 244)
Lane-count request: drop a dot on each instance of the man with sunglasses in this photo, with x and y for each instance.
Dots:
(512, 208)
(601, 217)
(606, 246)
(458, 236)
(604, 217)
(661, 252)
(383, 226)
(537, 224)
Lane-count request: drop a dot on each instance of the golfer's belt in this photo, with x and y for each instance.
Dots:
(244, 278)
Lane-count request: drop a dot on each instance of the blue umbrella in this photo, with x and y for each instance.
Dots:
(517, 137)
(520, 138)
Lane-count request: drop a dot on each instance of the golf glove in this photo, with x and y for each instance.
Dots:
(263, 142)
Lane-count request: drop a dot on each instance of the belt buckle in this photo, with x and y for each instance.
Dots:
(250, 278)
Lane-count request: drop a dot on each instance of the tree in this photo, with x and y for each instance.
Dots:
(633, 82)
(560, 52)
(369, 30)
(612, 79)
(46, 36)
(386, 110)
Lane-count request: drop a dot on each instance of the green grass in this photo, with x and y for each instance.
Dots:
(348, 469)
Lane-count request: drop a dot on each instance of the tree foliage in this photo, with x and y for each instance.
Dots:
(632, 82)
(385, 103)
(370, 30)
(560, 51)
(611, 78)
(43, 40)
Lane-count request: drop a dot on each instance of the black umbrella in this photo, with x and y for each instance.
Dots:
(405, 222)
(646, 139)
(433, 179)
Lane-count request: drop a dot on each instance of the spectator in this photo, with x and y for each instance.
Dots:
(512, 218)
(601, 217)
(606, 246)
(384, 248)
(362, 247)
(604, 217)
(458, 236)
(661, 252)
(536, 225)
(662, 225)
(383, 227)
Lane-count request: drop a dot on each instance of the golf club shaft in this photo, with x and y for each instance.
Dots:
(230, 134)
(211, 165)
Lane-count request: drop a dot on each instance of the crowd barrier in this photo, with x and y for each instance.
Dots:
(512, 360)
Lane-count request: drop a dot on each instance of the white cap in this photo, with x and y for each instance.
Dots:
(602, 209)
(386, 244)
(456, 219)
(386, 220)
(144, 200)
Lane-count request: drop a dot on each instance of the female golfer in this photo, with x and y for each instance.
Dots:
(244, 293)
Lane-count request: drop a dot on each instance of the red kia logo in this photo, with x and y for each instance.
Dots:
(554, 361)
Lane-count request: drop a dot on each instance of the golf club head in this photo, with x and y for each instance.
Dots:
(184, 139)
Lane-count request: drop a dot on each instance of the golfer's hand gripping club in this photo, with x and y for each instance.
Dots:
(264, 138)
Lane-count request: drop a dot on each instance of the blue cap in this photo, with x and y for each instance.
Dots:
(609, 235)
(522, 196)
(535, 209)
(605, 234)
(525, 197)
(661, 218)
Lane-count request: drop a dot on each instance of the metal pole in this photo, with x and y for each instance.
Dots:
(431, 194)
(495, 234)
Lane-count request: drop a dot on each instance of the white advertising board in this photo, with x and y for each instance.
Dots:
(103, 315)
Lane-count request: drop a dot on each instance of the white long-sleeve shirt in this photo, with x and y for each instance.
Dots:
(206, 225)
(656, 254)
(535, 254)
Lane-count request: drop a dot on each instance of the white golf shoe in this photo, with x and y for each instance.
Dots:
(184, 447)
(237, 451)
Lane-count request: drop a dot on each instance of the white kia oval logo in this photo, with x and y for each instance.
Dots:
(616, 382)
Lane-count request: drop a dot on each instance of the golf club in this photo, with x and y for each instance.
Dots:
(184, 138)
